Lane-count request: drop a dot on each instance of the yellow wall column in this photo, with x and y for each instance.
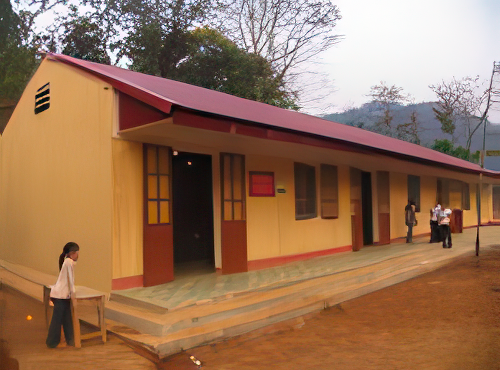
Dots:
(56, 171)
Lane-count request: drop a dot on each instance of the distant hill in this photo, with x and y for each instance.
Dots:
(430, 128)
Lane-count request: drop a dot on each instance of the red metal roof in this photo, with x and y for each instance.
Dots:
(162, 94)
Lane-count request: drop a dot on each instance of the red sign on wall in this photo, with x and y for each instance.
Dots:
(261, 184)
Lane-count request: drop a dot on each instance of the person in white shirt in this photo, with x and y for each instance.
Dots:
(435, 230)
(61, 294)
(444, 224)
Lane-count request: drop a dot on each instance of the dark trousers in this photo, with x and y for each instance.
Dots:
(60, 317)
(446, 235)
(409, 234)
(435, 232)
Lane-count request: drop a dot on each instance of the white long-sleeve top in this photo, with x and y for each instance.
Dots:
(65, 284)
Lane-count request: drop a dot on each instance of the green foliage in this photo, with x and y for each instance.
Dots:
(447, 147)
(204, 57)
(154, 51)
(215, 62)
(17, 57)
(166, 39)
(83, 38)
(157, 32)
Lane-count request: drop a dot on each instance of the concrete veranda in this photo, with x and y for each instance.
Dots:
(207, 308)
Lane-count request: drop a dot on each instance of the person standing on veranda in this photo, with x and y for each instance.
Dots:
(435, 230)
(444, 224)
(61, 295)
(410, 220)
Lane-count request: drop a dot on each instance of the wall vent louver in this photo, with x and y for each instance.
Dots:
(42, 98)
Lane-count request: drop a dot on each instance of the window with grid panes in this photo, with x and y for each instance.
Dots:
(158, 184)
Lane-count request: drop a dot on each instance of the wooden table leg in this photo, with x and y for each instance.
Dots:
(46, 300)
(102, 322)
(76, 326)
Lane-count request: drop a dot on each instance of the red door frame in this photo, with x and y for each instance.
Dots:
(158, 242)
(233, 231)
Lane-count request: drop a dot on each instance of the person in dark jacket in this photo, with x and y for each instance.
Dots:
(410, 220)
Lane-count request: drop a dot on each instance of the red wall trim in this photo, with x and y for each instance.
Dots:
(127, 282)
(192, 119)
(134, 113)
(200, 120)
(184, 118)
(277, 261)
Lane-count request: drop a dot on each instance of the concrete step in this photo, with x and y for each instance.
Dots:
(145, 305)
(227, 316)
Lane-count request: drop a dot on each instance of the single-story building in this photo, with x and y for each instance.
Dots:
(150, 176)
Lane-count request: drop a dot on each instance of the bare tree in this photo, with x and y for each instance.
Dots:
(459, 104)
(386, 98)
(285, 32)
(409, 131)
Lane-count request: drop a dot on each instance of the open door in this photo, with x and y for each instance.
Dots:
(367, 210)
(158, 245)
(193, 211)
(384, 218)
(233, 225)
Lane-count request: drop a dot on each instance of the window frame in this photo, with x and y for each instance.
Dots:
(158, 175)
(323, 200)
(307, 184)
(414, 185)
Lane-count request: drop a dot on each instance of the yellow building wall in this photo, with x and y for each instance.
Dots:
(56, 173)
(271, 225)
(399, 200)
(272, 230)
(486, 203)
(470, 216)
(428, 187)
(428, 192)
(127, 208)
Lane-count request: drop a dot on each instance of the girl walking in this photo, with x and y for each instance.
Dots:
(61, 294)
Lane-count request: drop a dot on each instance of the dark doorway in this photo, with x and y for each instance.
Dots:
(192, 211)
(366, 204)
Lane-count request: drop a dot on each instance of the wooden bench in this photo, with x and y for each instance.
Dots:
(82, 294)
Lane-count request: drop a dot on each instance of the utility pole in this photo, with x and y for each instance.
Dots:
(495, 93)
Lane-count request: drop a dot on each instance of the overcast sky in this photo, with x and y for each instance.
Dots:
(411, 44)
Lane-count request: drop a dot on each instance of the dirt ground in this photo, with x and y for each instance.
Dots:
(446, 319)
(22, 342)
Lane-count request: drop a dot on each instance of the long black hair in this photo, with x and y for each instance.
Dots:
(69, 247)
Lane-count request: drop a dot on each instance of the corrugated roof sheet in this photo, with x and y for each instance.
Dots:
(163, 93)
